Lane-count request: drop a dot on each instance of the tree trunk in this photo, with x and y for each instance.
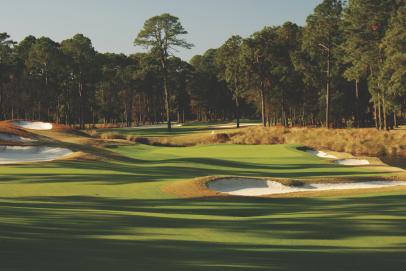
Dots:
(166, 90)
(379, 113)
(237, 111)
(328, 91)
(376, 116)
(357, 103)
(263, 105)
(81, 122)
(385, 124)
(39, 110)
(183, 116)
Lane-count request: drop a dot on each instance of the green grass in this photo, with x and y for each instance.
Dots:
(186, 129)
(112, 215)
(156, 132)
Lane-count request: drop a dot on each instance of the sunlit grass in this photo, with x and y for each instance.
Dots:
(111, 214)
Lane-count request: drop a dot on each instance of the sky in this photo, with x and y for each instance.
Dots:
(113, 25)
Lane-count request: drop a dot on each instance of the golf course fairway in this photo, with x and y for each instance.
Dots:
(112, 213)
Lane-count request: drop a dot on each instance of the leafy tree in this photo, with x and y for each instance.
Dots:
(259, 57)
(365, 24)
(148, 80)
(288, 85)
(43, 64)
(6, 69)
(179, 73)
(161, 34)
(229, 58)
(209, 94)
(279, 72)
(82, 55)
(394, 68)
(321, 34)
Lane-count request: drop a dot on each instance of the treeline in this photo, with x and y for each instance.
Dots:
(345, 68)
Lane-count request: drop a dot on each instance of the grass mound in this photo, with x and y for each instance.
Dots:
(7, 128)
(365, 142)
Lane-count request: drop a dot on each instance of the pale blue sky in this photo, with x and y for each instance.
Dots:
(113, 25)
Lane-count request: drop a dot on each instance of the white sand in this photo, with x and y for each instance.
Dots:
(256, 187)
(20, 154)
(352, 162)
(33, 125)
(345, 162)
(15, 138)
(322, 154)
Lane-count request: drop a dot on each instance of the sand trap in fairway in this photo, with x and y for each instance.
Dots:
(15, 138)
(33, 125)
(345, 162)
(255, 187)
(20, 154)
(352, 162)
(321, 154)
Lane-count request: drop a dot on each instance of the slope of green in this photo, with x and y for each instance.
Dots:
(112, 215)
(158, 131)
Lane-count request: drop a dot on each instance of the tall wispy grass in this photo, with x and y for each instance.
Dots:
(369, 142)
(356, 141)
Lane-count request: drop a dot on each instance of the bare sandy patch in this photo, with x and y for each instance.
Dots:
(321, 154)
(352, 162)
(15, 138)
(23, 154)
(33, 125)
(260, 187)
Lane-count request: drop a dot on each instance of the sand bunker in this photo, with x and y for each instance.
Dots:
(20, 154)
(256, 187)
(352, 162)
(33, 125)
(14, 138)
(345, 162)
(321, 154)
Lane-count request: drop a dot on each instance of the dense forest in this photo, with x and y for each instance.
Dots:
(345, 68)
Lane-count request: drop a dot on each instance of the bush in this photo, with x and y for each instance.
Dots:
(112, 135)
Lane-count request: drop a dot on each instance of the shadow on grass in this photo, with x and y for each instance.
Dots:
(157, 132)
(86, 233)
(111, 172)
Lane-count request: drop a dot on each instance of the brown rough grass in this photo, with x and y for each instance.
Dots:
(112, 135)
(184, 140)
(370, 142)
(359, 142)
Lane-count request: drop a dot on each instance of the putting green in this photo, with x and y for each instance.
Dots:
(111, 214)
(159, 130)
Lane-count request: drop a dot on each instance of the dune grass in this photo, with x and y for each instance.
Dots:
(111, 214)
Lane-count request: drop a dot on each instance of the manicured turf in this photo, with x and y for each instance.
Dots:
(161, 131)
(112, 215)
